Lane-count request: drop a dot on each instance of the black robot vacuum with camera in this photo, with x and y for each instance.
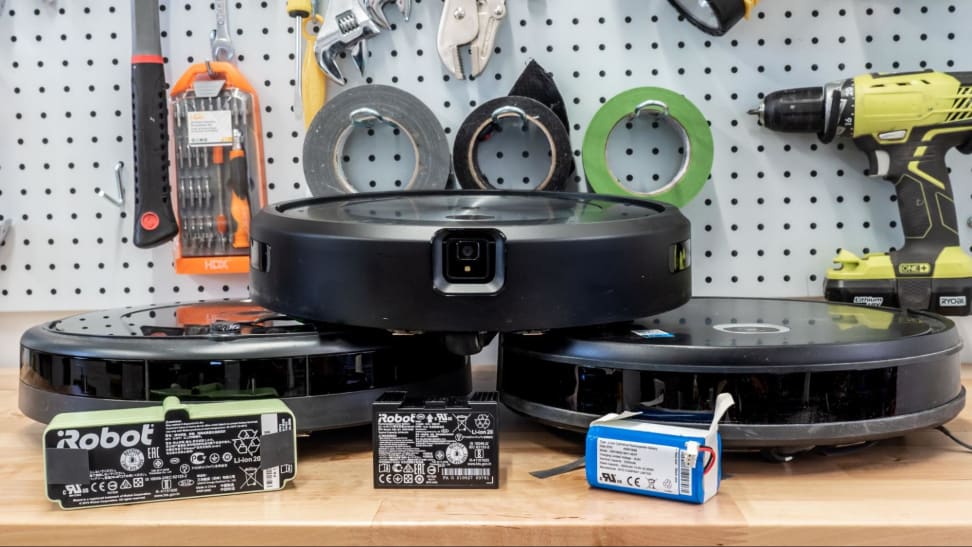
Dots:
(468, 262)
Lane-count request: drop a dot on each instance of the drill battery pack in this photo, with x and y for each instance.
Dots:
(943, 296)
(172, 451)
(941, 285)
(448, 442)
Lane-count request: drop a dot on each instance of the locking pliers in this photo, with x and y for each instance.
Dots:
(473, 23)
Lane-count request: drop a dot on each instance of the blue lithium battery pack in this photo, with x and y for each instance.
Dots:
(628, 453)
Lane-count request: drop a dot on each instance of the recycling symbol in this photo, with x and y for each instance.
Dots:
(482, 421)
(247, 442)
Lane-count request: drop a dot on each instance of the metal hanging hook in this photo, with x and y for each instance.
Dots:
(507, 111)
(367, 117)
(659, 108)
(120, 200)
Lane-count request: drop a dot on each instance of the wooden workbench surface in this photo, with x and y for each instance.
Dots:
(914, 490)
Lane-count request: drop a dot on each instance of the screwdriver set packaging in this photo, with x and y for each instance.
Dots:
(218, 168)
(172, 451)
(449, 442)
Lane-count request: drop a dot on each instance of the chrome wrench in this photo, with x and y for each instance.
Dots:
(219, 40)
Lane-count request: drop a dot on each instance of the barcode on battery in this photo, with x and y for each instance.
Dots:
(271, 478)
(684, 478)
(448, 471)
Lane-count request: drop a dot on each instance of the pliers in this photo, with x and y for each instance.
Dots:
(473, 23)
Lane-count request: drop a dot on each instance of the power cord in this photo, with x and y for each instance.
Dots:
(958, 441)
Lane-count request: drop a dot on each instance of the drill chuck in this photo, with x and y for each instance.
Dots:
(825, 110)
(799, 110)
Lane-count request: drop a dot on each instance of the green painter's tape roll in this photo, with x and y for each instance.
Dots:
(688, 122)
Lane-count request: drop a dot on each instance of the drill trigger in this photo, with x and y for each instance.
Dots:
(880, 163)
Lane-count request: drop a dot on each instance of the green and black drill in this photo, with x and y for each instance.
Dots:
(906, 123)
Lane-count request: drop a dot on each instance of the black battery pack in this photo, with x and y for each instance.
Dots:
(450, 442)
(172, 451)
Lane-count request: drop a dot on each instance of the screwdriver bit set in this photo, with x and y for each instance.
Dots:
(218, 165)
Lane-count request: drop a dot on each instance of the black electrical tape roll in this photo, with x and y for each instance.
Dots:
(365, 106)
(482, 125)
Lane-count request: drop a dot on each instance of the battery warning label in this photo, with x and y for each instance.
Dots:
(175, 458)
(454, 446)
(642, 466)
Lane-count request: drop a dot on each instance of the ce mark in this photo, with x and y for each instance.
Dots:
(103, 487)
(391, 478)
(634, 482)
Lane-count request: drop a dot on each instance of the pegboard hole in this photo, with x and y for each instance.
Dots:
(376, 158)
(516, 156)
(645, 153)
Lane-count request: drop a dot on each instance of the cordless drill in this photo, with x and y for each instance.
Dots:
(906, 123)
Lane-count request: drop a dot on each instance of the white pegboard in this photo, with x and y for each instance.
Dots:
(775, 210)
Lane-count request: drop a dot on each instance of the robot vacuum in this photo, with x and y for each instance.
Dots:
(803, 374)
(227, 350)
(470, 262)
